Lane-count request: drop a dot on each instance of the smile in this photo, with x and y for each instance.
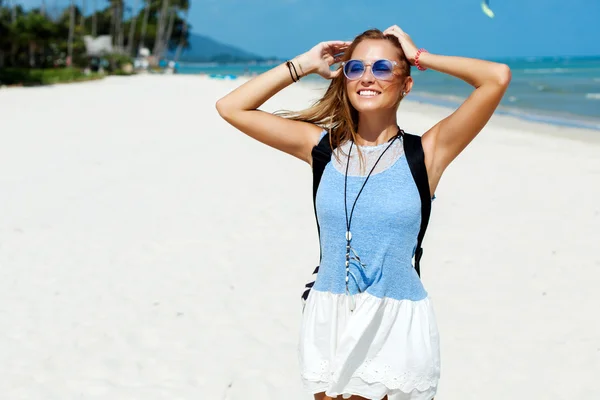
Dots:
(368, 93)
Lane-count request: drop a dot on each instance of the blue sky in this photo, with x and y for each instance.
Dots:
(285, 28)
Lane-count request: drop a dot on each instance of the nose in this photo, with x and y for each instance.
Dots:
(367, 76)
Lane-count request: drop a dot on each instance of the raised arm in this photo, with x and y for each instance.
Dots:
(445, 140)
(240, 107)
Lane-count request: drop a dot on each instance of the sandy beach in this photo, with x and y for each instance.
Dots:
(148, 250)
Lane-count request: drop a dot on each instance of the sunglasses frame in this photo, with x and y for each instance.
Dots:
(370, 65)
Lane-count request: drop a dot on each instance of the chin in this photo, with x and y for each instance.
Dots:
(368, 105)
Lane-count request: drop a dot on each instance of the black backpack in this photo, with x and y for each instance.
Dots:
(413, 149)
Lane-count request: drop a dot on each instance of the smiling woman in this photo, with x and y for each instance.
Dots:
(368, 326)
(387, 83)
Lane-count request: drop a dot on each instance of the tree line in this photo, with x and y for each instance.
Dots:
(42, 37)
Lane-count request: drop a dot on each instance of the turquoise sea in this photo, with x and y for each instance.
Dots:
(557, 90)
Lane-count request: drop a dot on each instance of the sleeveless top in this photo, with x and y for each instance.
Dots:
(384, 226)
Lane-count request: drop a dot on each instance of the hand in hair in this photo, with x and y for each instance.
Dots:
(320, 58)
(408, 46)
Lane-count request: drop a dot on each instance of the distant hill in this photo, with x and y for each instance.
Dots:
(204, 49)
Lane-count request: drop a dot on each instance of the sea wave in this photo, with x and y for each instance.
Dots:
(592, 96)
(558, 70)
(527, 114)
(547, 70)
(547, 88)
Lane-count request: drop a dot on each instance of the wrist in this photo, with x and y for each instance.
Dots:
(304, 65)
(418, 61)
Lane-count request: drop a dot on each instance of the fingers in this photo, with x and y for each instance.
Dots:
(337, 52)
(394, 30)
(335, 74)
(339, 43)
(336, 45)
(341, 46)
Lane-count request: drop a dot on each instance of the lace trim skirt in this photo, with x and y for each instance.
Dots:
(384, 347)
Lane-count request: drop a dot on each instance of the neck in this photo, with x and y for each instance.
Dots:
(375, 130)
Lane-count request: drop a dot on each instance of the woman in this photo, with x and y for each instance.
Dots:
(368, 328)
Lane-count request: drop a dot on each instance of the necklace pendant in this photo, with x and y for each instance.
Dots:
(351, 301)
(348, 235)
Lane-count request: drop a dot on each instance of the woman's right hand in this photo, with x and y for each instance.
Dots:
(320, 58)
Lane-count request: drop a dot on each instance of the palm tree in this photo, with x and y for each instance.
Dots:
(94, 19)
(13, 29)
(168, 32)
(182, 39)
(132, 23)
(115, 26)
(5, 29)
(160, 30)
(71, 30)
(82, 16)
(120, 31)
(14, 11)
(176, 6)
(145, 24)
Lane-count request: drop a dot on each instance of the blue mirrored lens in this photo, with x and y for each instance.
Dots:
(354, 69)
(382, 69)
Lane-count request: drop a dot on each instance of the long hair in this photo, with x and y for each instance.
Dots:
(334, 111)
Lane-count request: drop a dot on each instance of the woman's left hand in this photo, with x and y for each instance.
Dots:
(408, 46)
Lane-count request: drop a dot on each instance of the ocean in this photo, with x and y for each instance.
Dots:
(557, 90)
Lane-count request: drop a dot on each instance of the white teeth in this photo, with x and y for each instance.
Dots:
(367, 93)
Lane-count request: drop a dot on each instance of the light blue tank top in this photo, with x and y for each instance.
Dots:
(385, 225)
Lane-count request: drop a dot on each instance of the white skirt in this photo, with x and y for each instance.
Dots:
(384, 347)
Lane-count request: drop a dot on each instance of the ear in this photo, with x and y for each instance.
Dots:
(408, 84)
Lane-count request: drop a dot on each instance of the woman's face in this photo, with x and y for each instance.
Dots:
(368, 93)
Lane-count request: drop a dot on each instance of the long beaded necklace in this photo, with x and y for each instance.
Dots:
(351, 255)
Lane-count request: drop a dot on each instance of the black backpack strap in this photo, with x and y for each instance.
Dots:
(413, 149)
(321, 155)
(309, 285)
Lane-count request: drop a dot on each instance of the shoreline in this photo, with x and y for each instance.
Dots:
(531, 115)
(501, 118)
(566, 114)
(533, 119)
(528, 116)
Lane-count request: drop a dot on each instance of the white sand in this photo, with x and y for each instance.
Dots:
(150, 251)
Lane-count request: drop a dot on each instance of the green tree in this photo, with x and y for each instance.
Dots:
(5, 30)
(35, 38)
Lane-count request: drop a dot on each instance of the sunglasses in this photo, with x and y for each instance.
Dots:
(381, 69)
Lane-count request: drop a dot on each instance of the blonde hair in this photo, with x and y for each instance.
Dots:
(334, 111)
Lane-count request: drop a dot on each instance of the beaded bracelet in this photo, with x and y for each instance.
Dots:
(419, 67)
